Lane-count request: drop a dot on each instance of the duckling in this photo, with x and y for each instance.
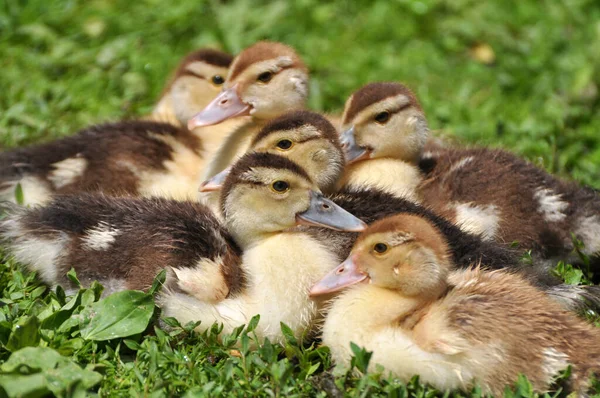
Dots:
(305, 137)
(262, 202)
(489, 192)
(141, 157)
(124, 242)
(198, 79)
(384, 132)
(454, 328)
(265, 80)
(504, 198)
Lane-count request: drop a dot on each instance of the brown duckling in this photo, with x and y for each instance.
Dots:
(124, 242)
(130, 157)
(454, 328)
(489, 192)
(505, 198)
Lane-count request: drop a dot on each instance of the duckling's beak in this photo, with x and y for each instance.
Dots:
(353, 152)
(346, 274)
(216, 182)
(325, 213)
(228, 104)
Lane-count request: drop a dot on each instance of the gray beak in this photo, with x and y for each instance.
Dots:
(353, 152)
(325, 213)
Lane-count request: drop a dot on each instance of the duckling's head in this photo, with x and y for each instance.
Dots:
(305, 137)
(403, 252)
(383, 120)
(197, 80)
(308, 139)
(266, 193)
(264, 81)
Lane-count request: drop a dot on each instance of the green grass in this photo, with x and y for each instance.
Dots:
(70, 63)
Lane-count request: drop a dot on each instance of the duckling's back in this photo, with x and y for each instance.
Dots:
(121, 242)
(503, 326)
(115, 158)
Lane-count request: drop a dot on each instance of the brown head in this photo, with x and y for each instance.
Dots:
(383, 120)
(266, 193)
(196, 82)
(305, 137)
(264, 81)
(403, 253)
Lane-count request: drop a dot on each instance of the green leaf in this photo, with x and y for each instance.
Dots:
(288, 333)
(253, 323)
(34, 358)
(37, 371)
(29, 386)
(361, 358)
(19, 197)
(25, 334)
(121, 314)
(158, 282)
(72, 275)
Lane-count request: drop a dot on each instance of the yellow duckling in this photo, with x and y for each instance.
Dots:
(454, 328)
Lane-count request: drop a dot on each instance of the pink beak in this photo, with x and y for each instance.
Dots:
(346, 274)
(216, 182)
(227, 105)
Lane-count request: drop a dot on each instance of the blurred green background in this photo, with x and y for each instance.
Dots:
(524, 75)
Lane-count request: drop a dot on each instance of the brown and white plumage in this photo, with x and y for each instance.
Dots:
(124, 242)
(420, 315)
(144, 157)
(507, 199)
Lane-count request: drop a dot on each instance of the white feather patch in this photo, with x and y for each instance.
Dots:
(551, 204)
(67, 171)
(481, 220)
(101, 237)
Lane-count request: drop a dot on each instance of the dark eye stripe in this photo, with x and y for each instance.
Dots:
(194, 74)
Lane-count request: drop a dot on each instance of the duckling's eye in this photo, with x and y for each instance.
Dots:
(382, 117)
(280, 186)
(218, 80)
(380, 248)
(265, 77)
(284, 144)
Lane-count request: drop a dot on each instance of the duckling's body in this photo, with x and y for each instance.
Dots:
(279, 270)
(142, 157)
(454, 328)
(136, 158)
(124, 242)
(502, 197)
(488, 329)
